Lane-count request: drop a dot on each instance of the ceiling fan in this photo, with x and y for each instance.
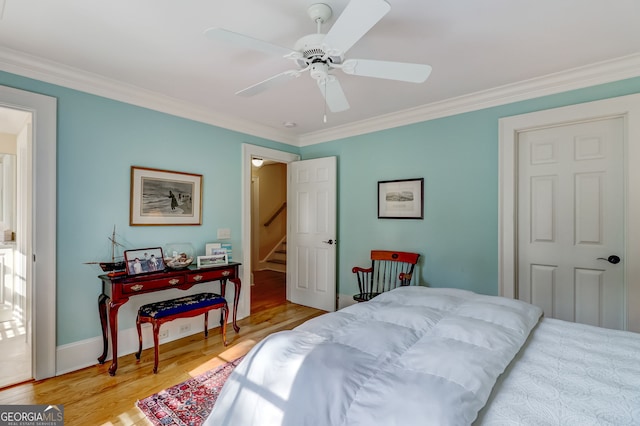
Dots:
(321, 54)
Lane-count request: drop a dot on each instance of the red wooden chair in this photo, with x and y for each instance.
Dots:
(389, 269)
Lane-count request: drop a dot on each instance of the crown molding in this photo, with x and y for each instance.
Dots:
(19, 63)
(576, 78)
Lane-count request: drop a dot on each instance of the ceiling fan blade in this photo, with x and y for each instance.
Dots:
(358, 17)
(333, 94)
(246, 41)
(402, 71)
(274, 81)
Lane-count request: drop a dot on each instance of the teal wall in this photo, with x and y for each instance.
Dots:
(100, 139)
(98, 142)
(458, 158)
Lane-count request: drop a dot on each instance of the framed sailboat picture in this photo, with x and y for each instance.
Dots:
(163, 197)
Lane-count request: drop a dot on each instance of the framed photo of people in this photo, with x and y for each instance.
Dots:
(163, 197)
(144, 261)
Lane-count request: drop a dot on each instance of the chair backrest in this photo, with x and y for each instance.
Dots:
(389, 269)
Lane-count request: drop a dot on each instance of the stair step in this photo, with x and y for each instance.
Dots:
(281, 262)
(281, 251)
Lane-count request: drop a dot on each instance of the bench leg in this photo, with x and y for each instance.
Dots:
(206, 324)
(139, 338)
(156, 332)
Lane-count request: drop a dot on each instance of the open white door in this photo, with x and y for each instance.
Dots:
(311, 239)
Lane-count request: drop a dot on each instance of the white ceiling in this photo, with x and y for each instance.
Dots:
(153, 53)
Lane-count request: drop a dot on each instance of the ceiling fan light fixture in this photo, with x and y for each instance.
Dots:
(319, 71)
(321, 54)
(257, 162)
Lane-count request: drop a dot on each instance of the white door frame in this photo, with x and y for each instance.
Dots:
(43, 258)
(627, 107)
(249, 151)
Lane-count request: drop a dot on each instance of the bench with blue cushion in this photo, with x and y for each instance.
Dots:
(183, 307)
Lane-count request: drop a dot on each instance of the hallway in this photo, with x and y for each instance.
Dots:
(269, 290)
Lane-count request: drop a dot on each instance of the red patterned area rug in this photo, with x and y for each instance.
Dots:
(190, 402)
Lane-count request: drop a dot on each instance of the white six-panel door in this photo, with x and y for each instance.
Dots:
(311, 239)
(570, 220)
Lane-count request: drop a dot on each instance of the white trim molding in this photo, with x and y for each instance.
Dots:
(248, 152)
(82, 354)
(627, 107)
(576, 78)
(62, 75)
(48, 71)
(41, 260)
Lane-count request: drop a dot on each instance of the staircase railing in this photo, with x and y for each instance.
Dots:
(276, 214)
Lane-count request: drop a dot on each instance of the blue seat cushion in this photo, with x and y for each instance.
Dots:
(170, 307)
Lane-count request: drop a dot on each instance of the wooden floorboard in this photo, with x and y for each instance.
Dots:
(268, 290)
(91, 397)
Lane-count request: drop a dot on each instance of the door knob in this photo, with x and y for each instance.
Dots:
(328, 242)
(613, 259)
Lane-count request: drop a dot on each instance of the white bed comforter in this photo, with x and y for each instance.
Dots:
(411, 356)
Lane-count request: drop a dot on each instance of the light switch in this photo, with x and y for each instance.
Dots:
(224, 233)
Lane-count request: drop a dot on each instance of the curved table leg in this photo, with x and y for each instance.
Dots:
(236, 297)
(102, 309)
(113, 329)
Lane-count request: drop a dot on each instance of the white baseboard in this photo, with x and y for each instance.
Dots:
(85, 353)
(345, 300)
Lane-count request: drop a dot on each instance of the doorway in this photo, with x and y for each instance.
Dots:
(627, 110)
(36, 231)
(268, 233)
(248, 153)
(570, 220)
(15, 316)
(312, 193)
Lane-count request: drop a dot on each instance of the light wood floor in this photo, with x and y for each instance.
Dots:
(91, 397)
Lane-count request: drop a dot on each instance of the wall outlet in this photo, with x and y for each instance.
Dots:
(184, 328)
(163, 334)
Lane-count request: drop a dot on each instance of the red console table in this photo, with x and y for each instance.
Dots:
(116, 290)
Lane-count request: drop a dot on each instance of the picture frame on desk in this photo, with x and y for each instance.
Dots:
(210, 247)
(217, 257)
(164, 197)
(144, 261)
